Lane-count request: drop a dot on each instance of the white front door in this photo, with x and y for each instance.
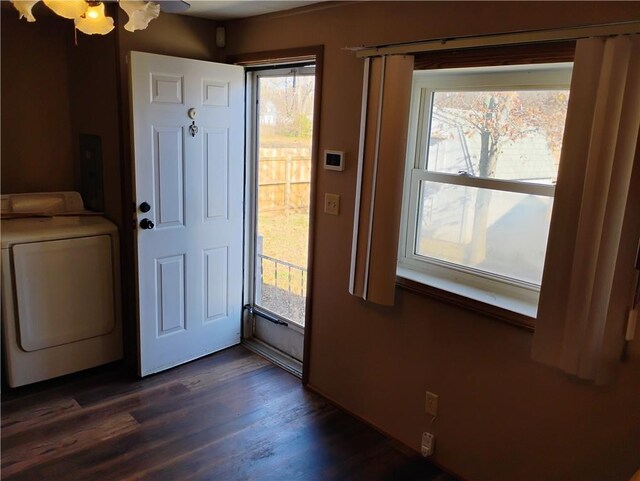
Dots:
(188, 194)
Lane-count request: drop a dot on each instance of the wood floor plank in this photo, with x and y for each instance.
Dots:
(293, 451)
(218, 455)
(17, 399)
(123, 386)
(32, 416)
(215, 424)
(325, 454)
(184, 422)
(256, 387)
(36, 451)
(221, 373)
(77, 419)
(230, 416)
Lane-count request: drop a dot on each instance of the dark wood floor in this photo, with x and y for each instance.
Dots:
(230, 416)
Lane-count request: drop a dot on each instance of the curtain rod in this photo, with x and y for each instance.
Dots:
(492, 40)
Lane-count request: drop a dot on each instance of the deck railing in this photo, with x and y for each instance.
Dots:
(283, 276)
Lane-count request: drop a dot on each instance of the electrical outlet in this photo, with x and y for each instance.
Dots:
(428, 444)
(431, 404)
(332, 204)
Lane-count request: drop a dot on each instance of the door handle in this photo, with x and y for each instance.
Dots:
(193, 128)
(144, 207)
(146, 224)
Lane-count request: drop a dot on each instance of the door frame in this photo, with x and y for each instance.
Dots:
(282, 331)
(287, 57)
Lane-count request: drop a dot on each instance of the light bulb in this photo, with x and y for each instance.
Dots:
(94, 21)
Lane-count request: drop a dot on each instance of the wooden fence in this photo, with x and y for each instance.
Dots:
(284, 179)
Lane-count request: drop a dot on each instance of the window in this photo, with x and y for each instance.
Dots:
(482, 161)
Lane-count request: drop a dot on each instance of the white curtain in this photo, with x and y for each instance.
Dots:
(381, 160)
(588, 281)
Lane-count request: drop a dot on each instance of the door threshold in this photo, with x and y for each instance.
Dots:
(274, 355)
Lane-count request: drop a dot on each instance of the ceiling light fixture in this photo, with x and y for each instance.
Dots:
(67, 8)
(94, 21)
(140, 13)
(89, 16)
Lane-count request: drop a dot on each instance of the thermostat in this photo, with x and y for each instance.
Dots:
(334, 160)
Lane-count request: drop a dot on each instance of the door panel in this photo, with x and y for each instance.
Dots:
(216, 261)
(190, 263)
(170, 289)
(216, 176)
(166, 89)
(168, 157)
(215, 94)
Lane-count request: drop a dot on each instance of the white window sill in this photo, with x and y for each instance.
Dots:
(525, 310)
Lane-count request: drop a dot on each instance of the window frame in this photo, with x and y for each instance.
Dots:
(512, 295)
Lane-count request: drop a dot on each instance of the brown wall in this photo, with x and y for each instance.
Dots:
(502, 416)
(53, 90)
(94, 110)
(37, 147)
(176, 35)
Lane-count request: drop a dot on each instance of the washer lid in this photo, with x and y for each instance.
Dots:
(42, 203)
(38, 229)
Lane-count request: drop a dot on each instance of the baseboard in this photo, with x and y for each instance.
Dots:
(400, 445)
(274, 355)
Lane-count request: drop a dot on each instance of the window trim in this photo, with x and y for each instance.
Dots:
(467, 303)
(501, 293)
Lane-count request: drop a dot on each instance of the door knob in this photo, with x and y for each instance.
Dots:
(146, 224)
(144, 207)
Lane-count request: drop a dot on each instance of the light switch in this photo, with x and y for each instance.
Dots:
(332, 204)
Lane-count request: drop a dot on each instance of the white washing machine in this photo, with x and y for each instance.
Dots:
(60, 287)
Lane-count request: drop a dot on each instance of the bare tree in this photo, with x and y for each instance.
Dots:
(499, 118)
(291, 98)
